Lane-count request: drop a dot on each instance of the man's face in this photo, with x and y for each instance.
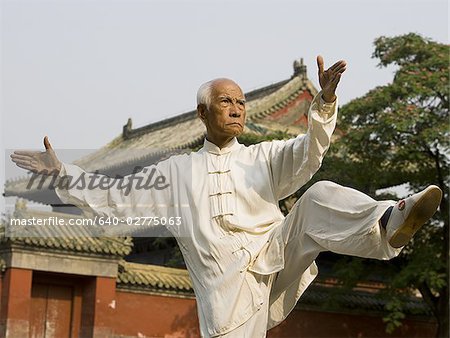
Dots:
(225, 117)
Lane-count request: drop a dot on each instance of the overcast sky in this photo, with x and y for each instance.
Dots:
(77, 70)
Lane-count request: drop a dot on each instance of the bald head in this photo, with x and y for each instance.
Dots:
(205, 91)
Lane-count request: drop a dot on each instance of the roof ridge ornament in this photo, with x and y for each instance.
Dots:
(21, 204)
(299, 68)
(127, 128)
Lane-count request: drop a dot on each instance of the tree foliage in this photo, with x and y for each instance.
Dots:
(399, 134)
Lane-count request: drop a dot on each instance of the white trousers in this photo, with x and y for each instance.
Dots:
(328, 217)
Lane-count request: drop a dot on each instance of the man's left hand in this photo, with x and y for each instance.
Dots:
(329, 79)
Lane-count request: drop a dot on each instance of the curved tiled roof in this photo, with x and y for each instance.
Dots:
(274, 107)
(152, 277)
(148, 144)
(61, 238)
(192, 115)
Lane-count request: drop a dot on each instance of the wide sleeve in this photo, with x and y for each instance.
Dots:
(145, 193)
(293, 162)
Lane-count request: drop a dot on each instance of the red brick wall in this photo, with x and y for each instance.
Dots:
(158, 316)
(321, 324)
(155, 316)
(106, 310)
(16, 302)
(98, 307)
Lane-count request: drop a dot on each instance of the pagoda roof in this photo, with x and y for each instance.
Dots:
(152, 277)
(73, 239)
(281, 106)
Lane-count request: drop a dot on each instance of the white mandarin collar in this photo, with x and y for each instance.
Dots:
(213, 149)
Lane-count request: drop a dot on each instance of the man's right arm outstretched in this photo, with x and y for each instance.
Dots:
(136, 196)
(39, 162)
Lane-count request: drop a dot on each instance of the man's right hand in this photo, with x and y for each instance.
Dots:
(40, 162)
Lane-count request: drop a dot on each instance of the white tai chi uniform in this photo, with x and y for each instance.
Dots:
(233, 236)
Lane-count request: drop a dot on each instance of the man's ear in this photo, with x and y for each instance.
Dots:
(201, 112)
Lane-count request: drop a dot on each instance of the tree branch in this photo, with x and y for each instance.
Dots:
(429, 298)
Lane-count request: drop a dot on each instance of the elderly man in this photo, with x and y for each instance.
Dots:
(248, 263)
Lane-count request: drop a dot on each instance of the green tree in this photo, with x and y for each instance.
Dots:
(399, 134)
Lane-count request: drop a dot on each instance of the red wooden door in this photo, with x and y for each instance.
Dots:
(51, 311)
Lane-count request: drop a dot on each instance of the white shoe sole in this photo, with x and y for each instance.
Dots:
(420, 213)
